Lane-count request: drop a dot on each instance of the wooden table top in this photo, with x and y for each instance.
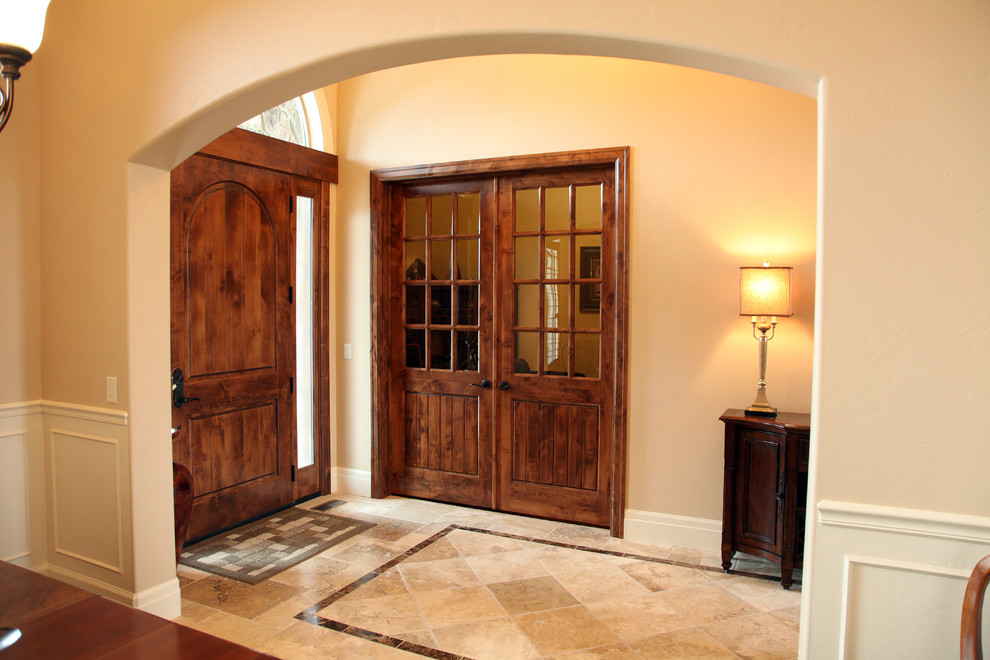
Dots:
(58, 620)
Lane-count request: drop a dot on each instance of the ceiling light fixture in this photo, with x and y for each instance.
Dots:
(21, 27)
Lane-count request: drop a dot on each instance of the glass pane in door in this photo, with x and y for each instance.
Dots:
(415, 260)
(555, 353)
(558, 209)
(416, 216)
(467, 304)
(416, 349)
(588, 207)
(556, 306)
(527, 357)
(304, 332)
(440, 307)
(440, 259)
(467, 259)
(415, 304)
(527, 211)
(467, 350)
(468, 213)
(441, 215)
(587, 356)
(588, 313)
(558, 257)
(440, 349)
(527, 305)
(527, 257)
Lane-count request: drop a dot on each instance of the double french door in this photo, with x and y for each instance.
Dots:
(501, 315)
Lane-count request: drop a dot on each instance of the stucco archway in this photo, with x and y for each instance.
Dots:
(148, 203)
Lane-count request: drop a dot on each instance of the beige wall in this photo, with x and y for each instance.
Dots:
(722, 174)
(20, 247)
(900, 391)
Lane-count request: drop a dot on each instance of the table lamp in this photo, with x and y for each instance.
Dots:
(764, 294)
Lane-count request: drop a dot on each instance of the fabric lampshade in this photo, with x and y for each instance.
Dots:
(765, 291)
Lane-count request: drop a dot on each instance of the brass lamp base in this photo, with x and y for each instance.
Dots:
(761, 407)
(761, 412)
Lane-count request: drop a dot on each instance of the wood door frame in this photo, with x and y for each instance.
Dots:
(247, 148)
(383, 291)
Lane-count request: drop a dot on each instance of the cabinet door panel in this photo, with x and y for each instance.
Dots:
(759, 467)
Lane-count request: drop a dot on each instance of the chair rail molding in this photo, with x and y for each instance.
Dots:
(897, 520)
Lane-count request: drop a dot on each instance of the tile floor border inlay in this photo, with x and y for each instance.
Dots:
(311, 613)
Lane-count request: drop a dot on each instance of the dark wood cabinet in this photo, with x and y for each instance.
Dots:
(766, 488)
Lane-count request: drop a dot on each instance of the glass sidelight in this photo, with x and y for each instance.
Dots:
(305, 440)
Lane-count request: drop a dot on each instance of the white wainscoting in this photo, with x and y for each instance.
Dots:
(88, 496)
(15, 540)
(86, 501)
(888, 582)
(22, 485)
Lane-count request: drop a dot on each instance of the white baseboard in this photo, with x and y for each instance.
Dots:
(673, 530)
(351, 481)
(99, 587)
(164, 600)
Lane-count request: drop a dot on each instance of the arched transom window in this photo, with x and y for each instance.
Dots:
(296, 121)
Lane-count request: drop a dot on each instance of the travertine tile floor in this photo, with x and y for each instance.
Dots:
(442, 581)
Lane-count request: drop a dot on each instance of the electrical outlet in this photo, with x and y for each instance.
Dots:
(347, 351)
(111, 389)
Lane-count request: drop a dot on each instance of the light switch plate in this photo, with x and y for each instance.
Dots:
(111, 389)
(347, 351)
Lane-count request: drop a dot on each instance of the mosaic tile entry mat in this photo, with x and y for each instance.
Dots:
(256, 551)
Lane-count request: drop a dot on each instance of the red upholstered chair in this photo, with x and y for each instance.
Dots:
(971, 640)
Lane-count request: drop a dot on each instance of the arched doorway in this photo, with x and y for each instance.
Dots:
(160, 151)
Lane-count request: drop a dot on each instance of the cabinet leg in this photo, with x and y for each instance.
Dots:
(727, 559)
(785, 576)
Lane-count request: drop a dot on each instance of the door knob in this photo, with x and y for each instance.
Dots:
(485, 384)
(504, 386)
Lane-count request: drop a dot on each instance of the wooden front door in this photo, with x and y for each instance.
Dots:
(250, 336)
(500, 323)
(232, 339)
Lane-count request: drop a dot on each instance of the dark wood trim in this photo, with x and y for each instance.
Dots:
(381, 346)
(322, 345)
(503, 166)
(621, 164)
(381, 182)
(241, 146)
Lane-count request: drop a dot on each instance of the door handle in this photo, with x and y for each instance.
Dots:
(485, 384)
(178, 389)
(504, 386)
